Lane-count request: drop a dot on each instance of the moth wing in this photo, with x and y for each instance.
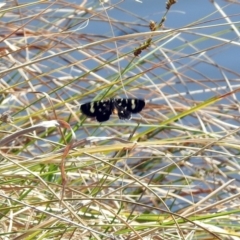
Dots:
(123, 113)
(135, 105)
(88, 109)
(103, 116)
(132, 105)
(99, 109)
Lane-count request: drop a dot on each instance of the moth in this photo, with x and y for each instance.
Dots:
(103, 109)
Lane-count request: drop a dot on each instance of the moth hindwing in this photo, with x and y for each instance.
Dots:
(104, 108)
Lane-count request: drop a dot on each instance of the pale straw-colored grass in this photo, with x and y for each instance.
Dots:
(172, 172)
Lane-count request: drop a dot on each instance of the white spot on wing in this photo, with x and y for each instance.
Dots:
(92, 109)
(133, 106)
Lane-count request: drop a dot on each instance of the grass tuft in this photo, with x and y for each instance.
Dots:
(172, 172)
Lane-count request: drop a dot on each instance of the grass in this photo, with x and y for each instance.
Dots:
(172, 172)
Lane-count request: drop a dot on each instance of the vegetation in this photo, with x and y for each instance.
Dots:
(171, 172)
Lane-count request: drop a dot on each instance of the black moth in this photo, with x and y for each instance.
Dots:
(104, 108)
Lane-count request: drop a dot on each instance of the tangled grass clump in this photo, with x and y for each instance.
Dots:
(171, 172)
